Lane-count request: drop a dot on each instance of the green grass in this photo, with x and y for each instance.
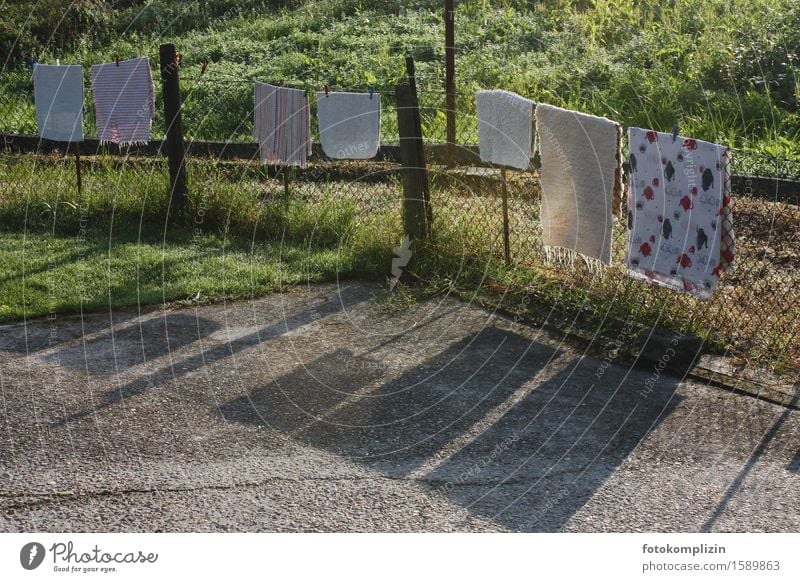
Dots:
(110, 246)
(45, 274)
(750, 315)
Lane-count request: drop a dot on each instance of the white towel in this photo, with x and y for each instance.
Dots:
(581, 177)
(58, 93)
(124, 101)
(505, 128)
(282, 125)
(349, 124)
(679, 221)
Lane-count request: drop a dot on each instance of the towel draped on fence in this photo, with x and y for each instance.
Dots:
(505, 128)
(282, 125)
(349, 124)
(581, 179)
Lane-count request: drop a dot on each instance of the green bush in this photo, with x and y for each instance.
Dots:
(730, 66)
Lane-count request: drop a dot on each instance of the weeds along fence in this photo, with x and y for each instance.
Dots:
(754, 316)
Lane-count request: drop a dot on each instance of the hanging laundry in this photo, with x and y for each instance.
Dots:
(505, 128)
(349, 124)
(282, 126)
(581, 178)
(58, 94)
(124, 101)
(679, 213)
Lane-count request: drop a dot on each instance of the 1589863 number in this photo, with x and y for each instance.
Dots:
(758, 565)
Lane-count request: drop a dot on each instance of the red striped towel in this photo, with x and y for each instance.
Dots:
(282, 125)
(124, 101)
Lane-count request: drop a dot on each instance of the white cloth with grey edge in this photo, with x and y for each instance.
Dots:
(349, 124)
(505, 128)
(58, 95)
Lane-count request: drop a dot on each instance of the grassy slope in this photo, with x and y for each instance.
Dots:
(725, 65)
(728, 65)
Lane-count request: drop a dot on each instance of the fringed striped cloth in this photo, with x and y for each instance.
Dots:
(124, 101)
(282, 125)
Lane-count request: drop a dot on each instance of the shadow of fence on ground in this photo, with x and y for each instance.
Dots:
(488, 422)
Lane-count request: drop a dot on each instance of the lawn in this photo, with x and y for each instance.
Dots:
(110, 245)
(727, 69)
(43, 274)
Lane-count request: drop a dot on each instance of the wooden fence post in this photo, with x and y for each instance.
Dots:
(416, 209)
(176, 152)
(421, 160)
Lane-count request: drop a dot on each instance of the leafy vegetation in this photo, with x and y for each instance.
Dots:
(726, 68)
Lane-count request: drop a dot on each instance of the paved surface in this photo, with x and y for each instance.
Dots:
(328, 408)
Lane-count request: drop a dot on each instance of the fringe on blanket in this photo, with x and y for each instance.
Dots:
(619, 197)
(125, 144)
(563, 258)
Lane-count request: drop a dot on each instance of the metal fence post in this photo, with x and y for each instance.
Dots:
(176, 152)
(506, 230)
(450, 78)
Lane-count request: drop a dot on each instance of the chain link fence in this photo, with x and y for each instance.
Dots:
(754, 314)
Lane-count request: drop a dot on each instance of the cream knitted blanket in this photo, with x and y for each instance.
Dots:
(581, 180)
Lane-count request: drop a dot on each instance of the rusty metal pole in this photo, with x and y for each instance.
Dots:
(506, 233)
(78, 167)
(450, 78)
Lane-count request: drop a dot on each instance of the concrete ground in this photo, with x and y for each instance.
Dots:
(330, 409)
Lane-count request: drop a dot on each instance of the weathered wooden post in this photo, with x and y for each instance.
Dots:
(176, 152)
(416, 190)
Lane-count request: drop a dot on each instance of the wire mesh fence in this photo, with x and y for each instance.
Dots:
(753, 315)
